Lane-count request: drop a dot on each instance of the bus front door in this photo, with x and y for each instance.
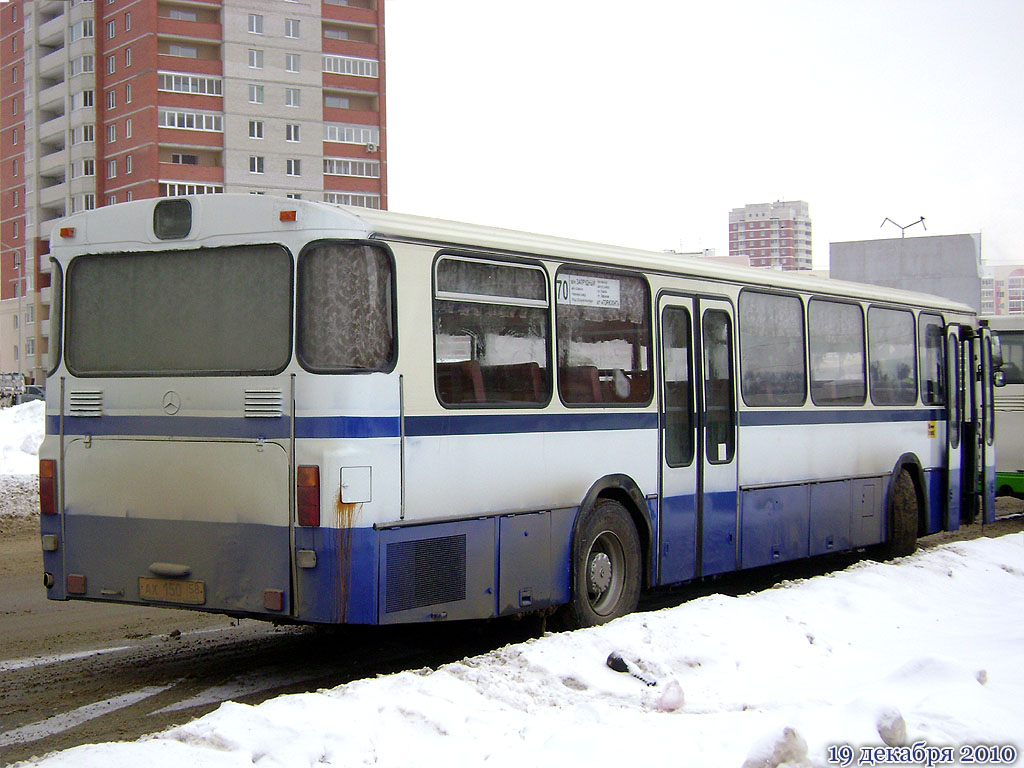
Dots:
(954, 426)
(697, 530)
(987, 429)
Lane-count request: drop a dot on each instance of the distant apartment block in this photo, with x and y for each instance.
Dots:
(1002, 289)
(775, 235)
(106, 101)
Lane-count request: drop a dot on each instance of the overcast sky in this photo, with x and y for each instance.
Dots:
(643, 122)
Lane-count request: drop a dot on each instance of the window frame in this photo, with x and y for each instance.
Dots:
(738, 334)
(651, 313)
(913, 341)
(932, 316)
(864, 350)
(497, 259)
(297, 310)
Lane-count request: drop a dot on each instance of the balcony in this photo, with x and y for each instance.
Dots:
(52, 196)
(52, 64)
(51, 33)
(54, 161)
(45, 294)
(44, 325)
(202, 174)
(185, 64)
(52, 125)
(53, 96)
(351, 48)
(188, 30)
(346, 12)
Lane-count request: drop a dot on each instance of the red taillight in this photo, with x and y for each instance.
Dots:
(308, 495)
(48, 486)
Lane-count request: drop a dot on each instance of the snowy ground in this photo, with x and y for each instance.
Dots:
(929, 649)
(21, 434)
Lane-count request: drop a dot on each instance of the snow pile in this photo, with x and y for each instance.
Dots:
(927, 649)
(22, 428)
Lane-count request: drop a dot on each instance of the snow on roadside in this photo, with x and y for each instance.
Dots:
(930, 645)
(22, 428)
(21, 434)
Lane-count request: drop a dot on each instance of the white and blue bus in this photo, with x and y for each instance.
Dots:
(293, 411)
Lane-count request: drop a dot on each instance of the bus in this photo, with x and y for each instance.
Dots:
(1009, 404)
(294, 411)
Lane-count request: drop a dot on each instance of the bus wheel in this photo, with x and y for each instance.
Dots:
(606, 567)
(903, 516)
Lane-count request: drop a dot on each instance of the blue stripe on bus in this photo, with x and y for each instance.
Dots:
(440, 426)
(852, 416)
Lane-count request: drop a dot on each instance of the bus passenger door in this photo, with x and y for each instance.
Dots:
(678, 420)
(698, 439)
(987, 428)
(717, 427)
(954, 426)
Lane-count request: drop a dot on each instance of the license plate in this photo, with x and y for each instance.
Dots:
(172, 591)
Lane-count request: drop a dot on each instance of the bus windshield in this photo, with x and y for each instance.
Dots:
(202, 311)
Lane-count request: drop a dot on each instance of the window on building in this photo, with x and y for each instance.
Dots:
(349, 65)
(293, 167)
(183, 83)
(181, 158)
(291, 27)
(111, 168)
(88, 201)
(111, 199)
(89, 167)
(291, 132)
(128, 93)
(255, 94)
(111, 29)
(127, 57)
(292, 62)
(180, 14)
(111, 99)
(341, 166)
(256, 23)
(336, 102)
(292, 97)
(127, 21)
(255, 129)
(255, 58)
(603, 326)
(88, 132)
(255, 164)
(891, 356)
(112, 64)
(111, 133)
(127, 164)
(185, 51)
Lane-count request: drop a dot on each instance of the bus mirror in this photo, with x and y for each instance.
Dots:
(997, 353)
(999, 379)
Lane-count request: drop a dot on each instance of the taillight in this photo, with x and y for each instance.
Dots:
(308, 495)
(48, 486)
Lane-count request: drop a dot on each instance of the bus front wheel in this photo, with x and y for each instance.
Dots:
(903, 517)
(606, 566)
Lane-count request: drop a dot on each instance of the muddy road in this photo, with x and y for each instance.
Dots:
(76, 672)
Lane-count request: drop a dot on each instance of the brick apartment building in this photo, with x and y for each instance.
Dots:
(106, 101)
(775, 235)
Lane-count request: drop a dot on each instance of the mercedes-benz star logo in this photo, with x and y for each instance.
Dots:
(172, 403)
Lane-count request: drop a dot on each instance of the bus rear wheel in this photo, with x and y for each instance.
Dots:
(606, 567)
(903, 517)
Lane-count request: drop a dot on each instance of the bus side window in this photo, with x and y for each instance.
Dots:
(603, 321)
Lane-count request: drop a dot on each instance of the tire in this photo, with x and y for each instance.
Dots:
(903, 517)
(606, 567)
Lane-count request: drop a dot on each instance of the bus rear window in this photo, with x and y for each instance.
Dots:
(188, 312)
(346, 307)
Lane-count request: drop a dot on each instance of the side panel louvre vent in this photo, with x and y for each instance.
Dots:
(425, 572)
(262, 403)
(85, 403)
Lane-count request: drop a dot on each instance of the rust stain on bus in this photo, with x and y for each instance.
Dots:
(347, 515)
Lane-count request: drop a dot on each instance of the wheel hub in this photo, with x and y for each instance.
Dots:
(600, 576)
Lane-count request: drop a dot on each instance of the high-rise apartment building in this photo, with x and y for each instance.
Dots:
(105, 101)
(776, 235)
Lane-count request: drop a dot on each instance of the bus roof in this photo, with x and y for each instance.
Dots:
(220, 217)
